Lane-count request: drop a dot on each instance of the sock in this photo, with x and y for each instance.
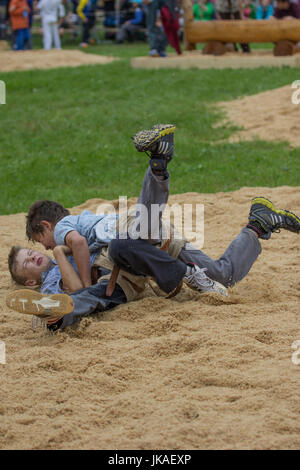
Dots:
(255, 226)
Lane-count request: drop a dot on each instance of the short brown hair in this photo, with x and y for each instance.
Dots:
(12, 265)
(43, 210)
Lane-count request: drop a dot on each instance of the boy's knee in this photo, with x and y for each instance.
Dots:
(117, 247)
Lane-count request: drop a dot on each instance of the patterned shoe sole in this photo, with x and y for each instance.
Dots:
(144, 139)
(164, 127)
(267, 203)
(31, 302)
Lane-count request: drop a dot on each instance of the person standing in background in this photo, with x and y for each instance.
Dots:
(19, 17)
(170, 19)
(156, 36)
(50, 10)
(87, 12)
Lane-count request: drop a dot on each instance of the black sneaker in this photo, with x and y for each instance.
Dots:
(269, 219)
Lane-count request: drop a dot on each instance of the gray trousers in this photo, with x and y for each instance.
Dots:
(141, 257)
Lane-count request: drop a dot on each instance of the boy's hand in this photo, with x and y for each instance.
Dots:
(64, 248)
(70, 279)
(81, 254)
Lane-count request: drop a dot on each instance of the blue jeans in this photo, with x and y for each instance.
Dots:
(21, 38)
(157, 37)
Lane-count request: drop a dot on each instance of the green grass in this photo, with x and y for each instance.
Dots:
(65, 133)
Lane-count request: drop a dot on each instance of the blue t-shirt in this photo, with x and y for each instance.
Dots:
(51, 279)
(98, 230)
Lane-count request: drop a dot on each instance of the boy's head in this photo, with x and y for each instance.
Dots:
(41, 220)
(26, 266)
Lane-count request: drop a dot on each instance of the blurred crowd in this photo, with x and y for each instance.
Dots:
(207, 10)
(157, 21)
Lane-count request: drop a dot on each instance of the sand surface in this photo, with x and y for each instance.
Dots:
(270, 115)
(40, 59)
(193, 372)
(233, 60)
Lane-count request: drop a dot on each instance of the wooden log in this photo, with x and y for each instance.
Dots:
(214, 48)
(188, 19)
(242, 31)
(283, 48)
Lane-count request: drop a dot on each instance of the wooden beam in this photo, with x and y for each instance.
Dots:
(188, 18)
(242, 31)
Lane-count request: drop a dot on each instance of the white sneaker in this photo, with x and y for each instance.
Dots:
(196, 279)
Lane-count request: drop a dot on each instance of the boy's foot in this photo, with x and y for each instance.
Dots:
(159, 141)
(48, 307)
(153, 53)
(264, 218)
(196, 279)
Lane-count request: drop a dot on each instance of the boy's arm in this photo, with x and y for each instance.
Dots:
(81, 254)
(70, 278)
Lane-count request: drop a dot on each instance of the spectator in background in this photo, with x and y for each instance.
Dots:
(30, 3)
(203, 10)
(50, 11)
(231, 10)
(249, 12)
(129, 30)
(156, 35)
(19, 17)
(87, 12)
(3, 19)
(109, 13)
(170, 14)
(264, 10)
(286, 10)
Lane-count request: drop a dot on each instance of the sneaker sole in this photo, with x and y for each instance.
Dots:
(30, 302)
(148, 137)
(267, 203)
(220, 289)
(216, 289)
(168, 128)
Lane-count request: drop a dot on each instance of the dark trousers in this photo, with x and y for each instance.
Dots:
(86, 28)
(237, 16)
(139, 257)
